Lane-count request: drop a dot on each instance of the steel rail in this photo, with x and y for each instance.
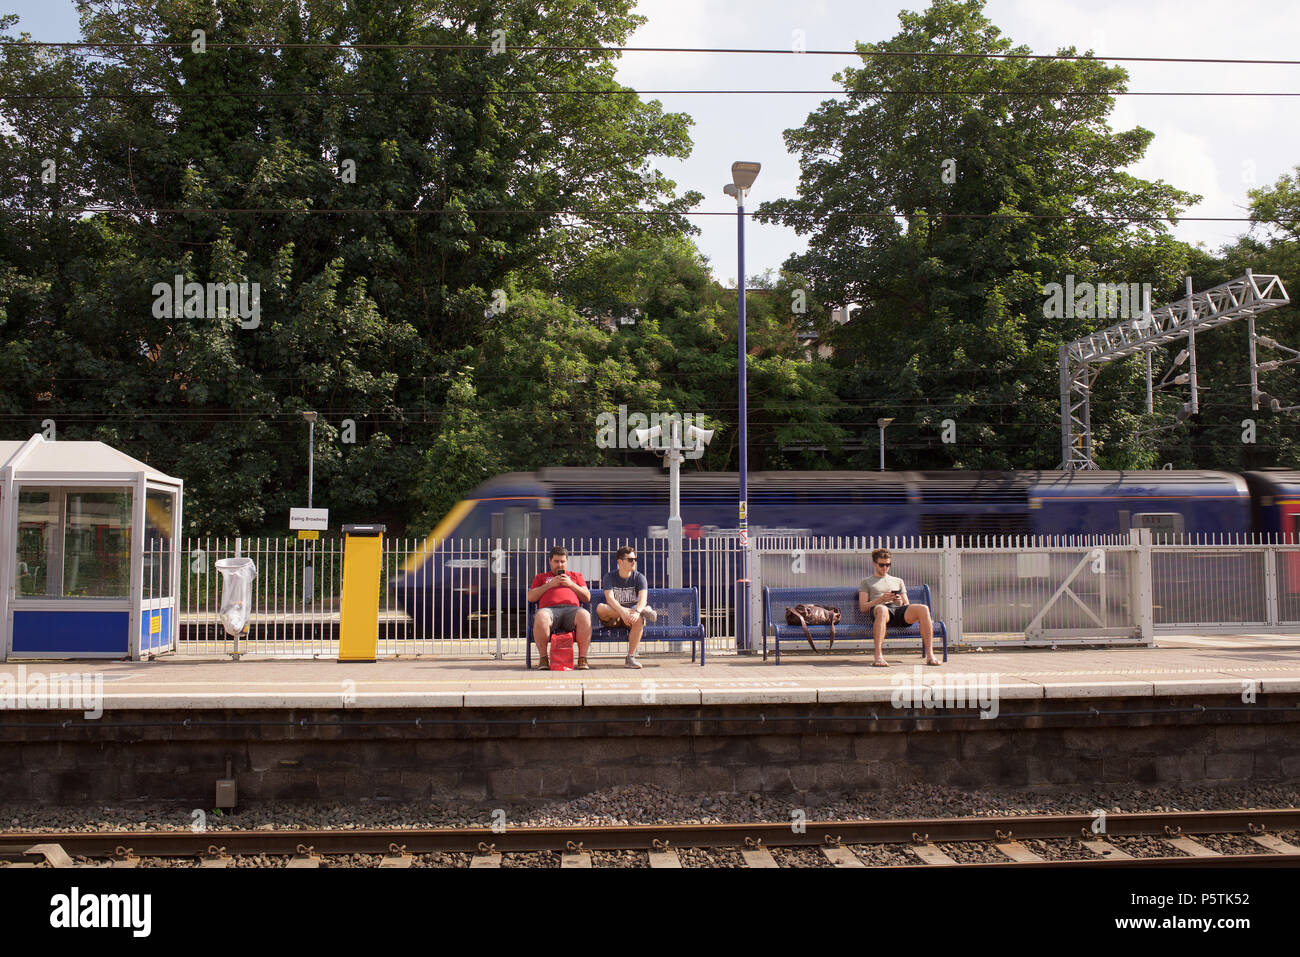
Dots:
(1262, 859)
(649, 836)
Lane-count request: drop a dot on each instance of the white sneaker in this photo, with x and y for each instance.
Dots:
(649, 614)
(631, 662)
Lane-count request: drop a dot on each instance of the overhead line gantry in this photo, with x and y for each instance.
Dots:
(1082, 360)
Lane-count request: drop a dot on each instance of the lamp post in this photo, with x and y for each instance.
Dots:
(309, 571)
(742, 178)
(884, 424)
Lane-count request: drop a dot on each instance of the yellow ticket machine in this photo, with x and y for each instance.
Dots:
(362, 582)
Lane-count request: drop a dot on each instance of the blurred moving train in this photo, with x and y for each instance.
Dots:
(447, 581)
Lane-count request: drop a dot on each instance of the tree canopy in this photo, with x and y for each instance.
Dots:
(434, 224)
(941, 195)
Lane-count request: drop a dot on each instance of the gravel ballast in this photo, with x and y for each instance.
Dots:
(653, 805)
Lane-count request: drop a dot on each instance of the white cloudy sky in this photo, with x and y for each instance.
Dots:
(1215, 146)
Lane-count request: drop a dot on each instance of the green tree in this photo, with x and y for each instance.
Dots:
(294, 168)
(942, 194)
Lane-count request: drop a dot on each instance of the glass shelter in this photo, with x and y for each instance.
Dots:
(88, 560)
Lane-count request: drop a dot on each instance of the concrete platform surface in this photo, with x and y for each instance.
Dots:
(1230, 665)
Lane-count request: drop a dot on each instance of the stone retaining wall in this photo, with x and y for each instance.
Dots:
(500, 754)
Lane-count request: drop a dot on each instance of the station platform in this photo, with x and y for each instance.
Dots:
(1192, 710)
(1178, 665)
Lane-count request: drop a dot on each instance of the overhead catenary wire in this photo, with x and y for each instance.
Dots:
(489, 50)
(598, 213)
(320, 94)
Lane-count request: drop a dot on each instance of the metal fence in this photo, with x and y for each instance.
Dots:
(1027, 591)
(471, 600)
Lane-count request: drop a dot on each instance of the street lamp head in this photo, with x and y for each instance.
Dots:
(744, 174)
(309, 416)
(883, 422)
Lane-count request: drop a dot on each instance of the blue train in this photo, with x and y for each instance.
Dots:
(444, 584)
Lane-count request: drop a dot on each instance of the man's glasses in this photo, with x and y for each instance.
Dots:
(632, 559)
(884, 564)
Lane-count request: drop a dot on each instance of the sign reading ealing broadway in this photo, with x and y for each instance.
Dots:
(309, 518)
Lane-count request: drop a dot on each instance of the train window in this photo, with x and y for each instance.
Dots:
(97, 544)
(516, 524)
(38, 525)
(158, 509)
(1166, 527)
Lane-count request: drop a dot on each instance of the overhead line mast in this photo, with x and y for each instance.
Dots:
(1082, 360)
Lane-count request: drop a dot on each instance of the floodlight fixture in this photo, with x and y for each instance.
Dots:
(699, 437)
(645, 436)
(1181, 358)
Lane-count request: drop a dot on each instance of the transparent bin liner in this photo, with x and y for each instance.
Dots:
(237, 575)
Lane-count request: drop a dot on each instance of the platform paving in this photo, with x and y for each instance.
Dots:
(1179, 665)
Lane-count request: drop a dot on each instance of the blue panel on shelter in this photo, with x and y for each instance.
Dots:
(72, 632)
(155, 628)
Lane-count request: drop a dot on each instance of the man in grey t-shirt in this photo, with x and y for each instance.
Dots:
(884, 597)
(625, 605)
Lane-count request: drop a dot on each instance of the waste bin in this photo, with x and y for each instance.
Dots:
(237, 576)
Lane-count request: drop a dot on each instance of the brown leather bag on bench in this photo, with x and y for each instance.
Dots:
(806, 615)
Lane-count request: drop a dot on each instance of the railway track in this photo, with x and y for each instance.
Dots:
(1247, 838)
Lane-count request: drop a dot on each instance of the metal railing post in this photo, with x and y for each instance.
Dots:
(1141, 537)
(497, 567)
(950, 588)
(754, 633)
(1271, 614)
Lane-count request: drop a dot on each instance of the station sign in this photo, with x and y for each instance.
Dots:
(317, 519)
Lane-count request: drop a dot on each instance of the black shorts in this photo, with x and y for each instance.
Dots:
(563, 618)
(896, 613)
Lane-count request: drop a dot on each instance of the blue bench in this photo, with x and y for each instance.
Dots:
(679, 620)
(853, 624)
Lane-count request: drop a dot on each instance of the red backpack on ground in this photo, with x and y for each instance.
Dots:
(560, 651)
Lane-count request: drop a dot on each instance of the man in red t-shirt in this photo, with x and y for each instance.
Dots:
(559, 595)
